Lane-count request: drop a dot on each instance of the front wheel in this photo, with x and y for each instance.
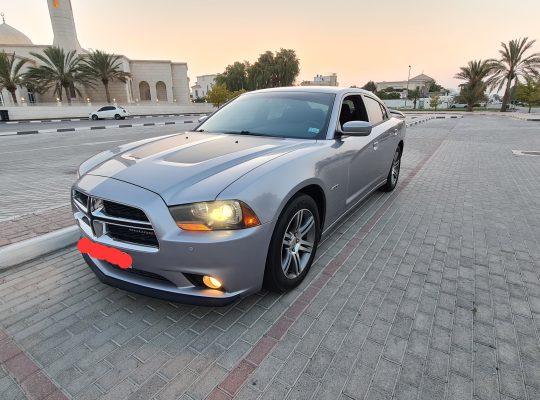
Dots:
(94, 117)
(293, 245)
(117, 116)
(393, 174)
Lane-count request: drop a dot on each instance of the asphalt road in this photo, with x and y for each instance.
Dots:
(33, 126)
(37, 170)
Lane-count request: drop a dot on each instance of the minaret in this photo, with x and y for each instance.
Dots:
(63, 24)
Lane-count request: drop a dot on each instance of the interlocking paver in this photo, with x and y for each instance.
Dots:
(439, 299)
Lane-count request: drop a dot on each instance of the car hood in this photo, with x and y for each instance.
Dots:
(194, 167)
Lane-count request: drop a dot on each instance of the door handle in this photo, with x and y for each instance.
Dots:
(375, 145)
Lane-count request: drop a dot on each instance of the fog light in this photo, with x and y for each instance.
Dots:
(211, 282)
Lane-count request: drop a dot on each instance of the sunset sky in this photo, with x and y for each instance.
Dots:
(358, 40)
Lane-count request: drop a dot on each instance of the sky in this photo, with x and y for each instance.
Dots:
(359, 40)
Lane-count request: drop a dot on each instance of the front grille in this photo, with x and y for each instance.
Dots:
(80, 197)
(122, 211)
(133, 235)
(142, 273)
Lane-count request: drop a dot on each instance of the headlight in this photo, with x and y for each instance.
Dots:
(214, 215)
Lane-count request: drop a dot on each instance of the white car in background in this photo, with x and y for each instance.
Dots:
(109, 112)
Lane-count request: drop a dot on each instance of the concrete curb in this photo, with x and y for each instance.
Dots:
(36, 121)
(92, 128)
(30, 249)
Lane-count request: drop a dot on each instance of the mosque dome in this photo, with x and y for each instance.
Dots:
(11, 36)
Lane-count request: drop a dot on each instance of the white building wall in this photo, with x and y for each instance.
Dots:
(180, 83)
(151, 72)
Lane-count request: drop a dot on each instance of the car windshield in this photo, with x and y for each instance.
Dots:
(302, 115)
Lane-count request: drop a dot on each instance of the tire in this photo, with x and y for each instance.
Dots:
(288, 261)
(94, 117)
(117, 116)
(393, 174)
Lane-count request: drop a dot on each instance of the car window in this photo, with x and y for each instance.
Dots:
(374, 110)
(103, 109)
(352, 109)
(303, 115)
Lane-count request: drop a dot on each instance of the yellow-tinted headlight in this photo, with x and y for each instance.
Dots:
(214, 215)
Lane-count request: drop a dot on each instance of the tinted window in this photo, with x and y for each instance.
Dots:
(103, 109)
(352, 109)
(301, 115)
(374, 110)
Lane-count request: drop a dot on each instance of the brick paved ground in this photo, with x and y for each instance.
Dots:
(31, 225)
(439, 300)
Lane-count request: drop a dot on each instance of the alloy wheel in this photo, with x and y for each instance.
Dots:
(396, 163)
(298, 242)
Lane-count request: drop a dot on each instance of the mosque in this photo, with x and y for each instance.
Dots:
(151, 80)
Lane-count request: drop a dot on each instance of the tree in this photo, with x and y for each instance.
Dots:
(104, 67)
(218, 95)
(413, 95)
(286, 67)
(384, 95)
(434, 102)
(234, 77)
(474, 88)
(434, 87)
(513, 65)
(59, 70)
(529, 92)
(370, 86)
(10, 73)
(274, 71)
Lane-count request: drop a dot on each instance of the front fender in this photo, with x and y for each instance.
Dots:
(268, 188)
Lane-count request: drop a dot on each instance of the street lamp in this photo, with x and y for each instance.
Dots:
(407, 90)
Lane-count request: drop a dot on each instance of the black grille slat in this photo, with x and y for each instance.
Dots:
(80, 197)
(122, 211)
(133, 235)
(142, 273)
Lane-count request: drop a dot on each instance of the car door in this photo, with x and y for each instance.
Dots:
(360, 151)
(102, 112)
(111, 111)
(384, 145)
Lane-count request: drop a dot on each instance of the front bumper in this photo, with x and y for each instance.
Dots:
(236, 258)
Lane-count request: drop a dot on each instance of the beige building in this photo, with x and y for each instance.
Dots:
(151, 80)
(322, 80)
(203, 85)
(420, 82)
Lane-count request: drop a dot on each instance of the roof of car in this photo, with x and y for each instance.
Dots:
(316, 89)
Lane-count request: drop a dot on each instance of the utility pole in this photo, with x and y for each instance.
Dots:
(407, 90)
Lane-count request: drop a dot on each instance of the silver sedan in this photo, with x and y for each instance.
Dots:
(241, 202)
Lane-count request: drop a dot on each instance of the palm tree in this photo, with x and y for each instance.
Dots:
(104, 67)
(59, 70)
(473, 74)
(513, 65)
(10, 73)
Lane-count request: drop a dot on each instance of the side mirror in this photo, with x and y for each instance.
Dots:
(203, 118)
(356, 128)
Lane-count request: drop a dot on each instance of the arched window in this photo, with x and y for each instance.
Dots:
(144, 91)
(161, 91)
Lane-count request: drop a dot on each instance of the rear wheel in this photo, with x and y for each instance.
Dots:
(293, 245)
(393, 174)
(117, 116)
(94, 117)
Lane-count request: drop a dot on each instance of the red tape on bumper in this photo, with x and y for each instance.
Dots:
(101, 252)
